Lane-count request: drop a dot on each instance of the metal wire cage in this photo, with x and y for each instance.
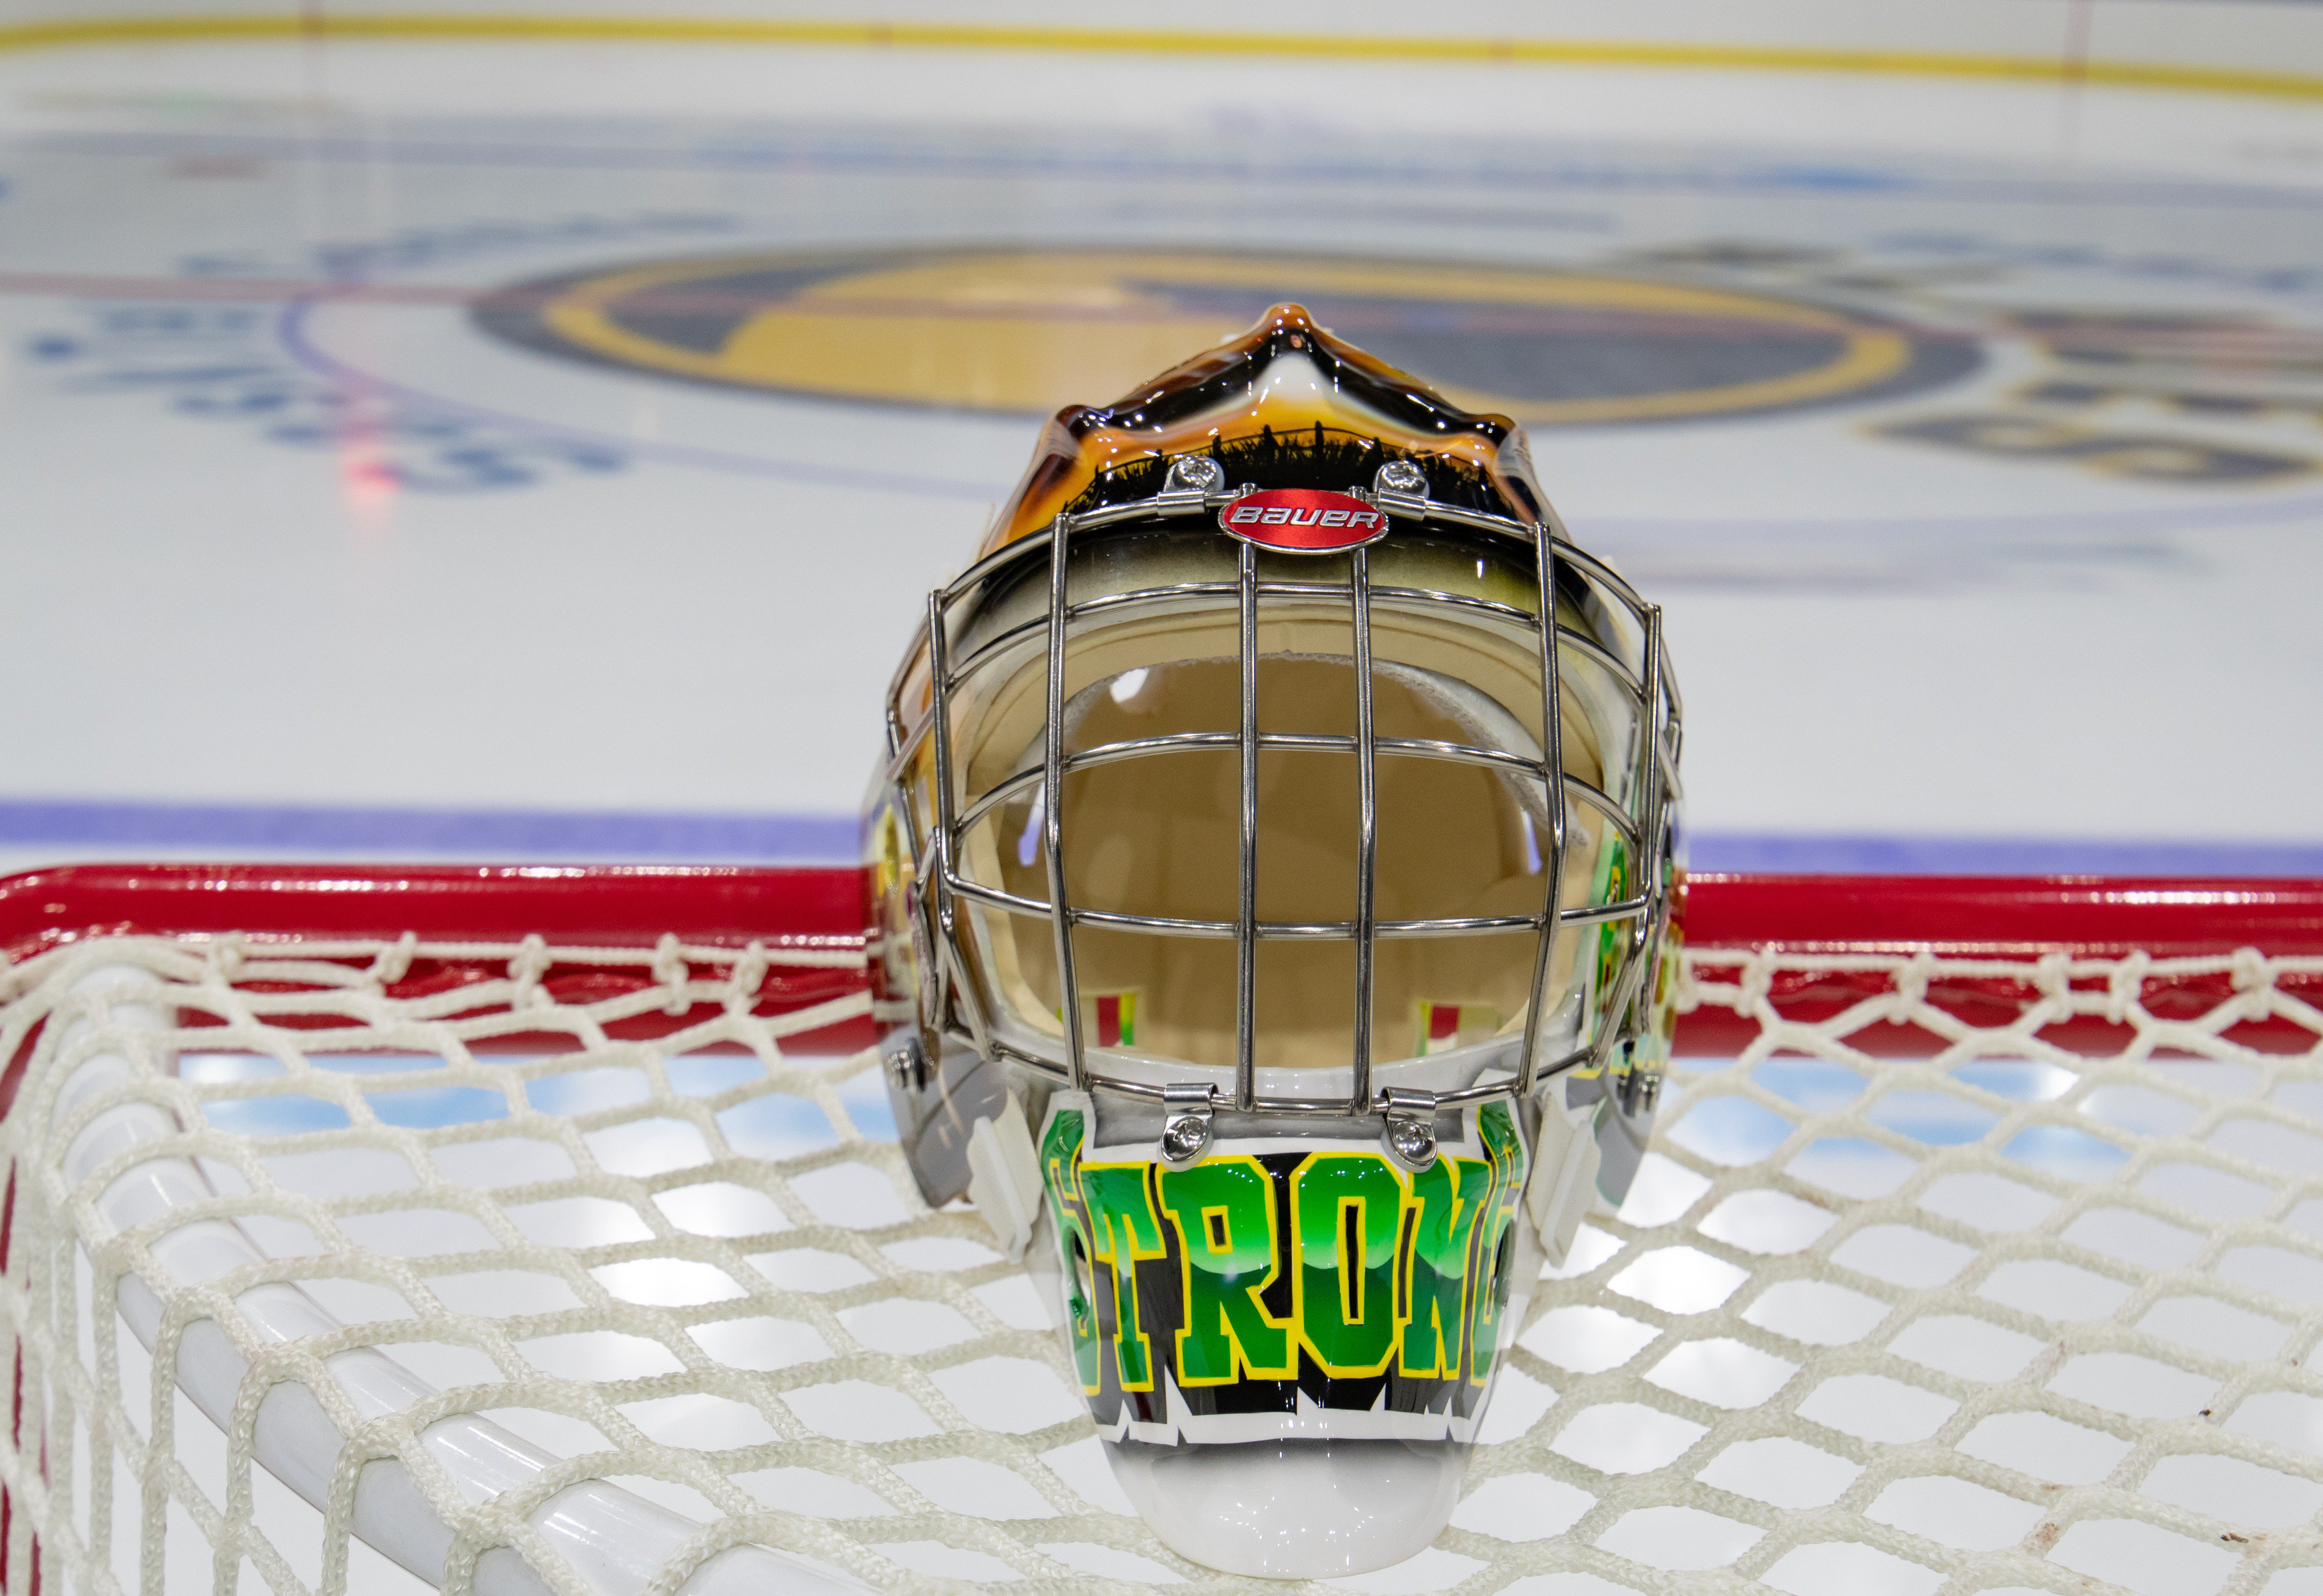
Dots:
(987, 620)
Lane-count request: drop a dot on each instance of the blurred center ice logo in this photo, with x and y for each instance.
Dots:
(1023, 331)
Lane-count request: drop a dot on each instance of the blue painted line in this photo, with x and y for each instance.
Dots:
(1877, 854)
(419, 833)
(832, 838)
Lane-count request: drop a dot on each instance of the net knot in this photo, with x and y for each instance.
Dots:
(2126, 986)
(750, 974)
(222, 959)
(671, 970)
(1911, 980)
(1755, 982)
(2052, 978)
(531, 962)
(394, 960)
(2253, 980)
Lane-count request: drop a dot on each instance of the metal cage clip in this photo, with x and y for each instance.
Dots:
(1186, 1108)
(1409, 1133)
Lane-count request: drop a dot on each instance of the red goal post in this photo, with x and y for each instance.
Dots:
(2080, 962)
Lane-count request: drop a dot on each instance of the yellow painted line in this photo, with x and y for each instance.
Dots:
(1160, 42)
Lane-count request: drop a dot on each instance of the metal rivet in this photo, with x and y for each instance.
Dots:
(1412, 1143)
(1184, 1138)
(1639, 1091)
(907, 1063)
(1400, 476)
(1194, 473)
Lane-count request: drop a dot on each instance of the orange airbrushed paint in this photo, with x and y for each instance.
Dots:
(1283, 378)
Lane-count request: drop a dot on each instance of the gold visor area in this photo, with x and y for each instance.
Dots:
(1311, 814)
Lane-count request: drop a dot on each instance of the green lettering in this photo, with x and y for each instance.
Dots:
(1225, 1213)
(1488, 1283)
(1347, 1213)
(1060, 1161)
(1121, 1217)
(1449, 1194)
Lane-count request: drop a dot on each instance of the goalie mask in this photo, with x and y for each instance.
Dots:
(1271, 926)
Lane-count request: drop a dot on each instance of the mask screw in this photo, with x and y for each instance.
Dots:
(1410, 1134)
(1194, 473)
(1185, 1123)
(1400, 476)
(1640, 1090)
(907, 1062)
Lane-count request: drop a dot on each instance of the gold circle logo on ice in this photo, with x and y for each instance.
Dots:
(1024, 331)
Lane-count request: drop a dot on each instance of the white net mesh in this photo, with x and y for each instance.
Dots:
(2004, 1317)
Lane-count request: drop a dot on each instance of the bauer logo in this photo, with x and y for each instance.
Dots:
(1303, 521)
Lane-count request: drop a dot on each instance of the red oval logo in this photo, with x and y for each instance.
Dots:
(1303, 521)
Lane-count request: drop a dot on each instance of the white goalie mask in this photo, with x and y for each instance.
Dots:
(1272, 965)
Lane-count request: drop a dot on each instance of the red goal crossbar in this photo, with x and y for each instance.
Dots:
(1989, 943)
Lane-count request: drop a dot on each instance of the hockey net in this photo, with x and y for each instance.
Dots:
(1969, 1262)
